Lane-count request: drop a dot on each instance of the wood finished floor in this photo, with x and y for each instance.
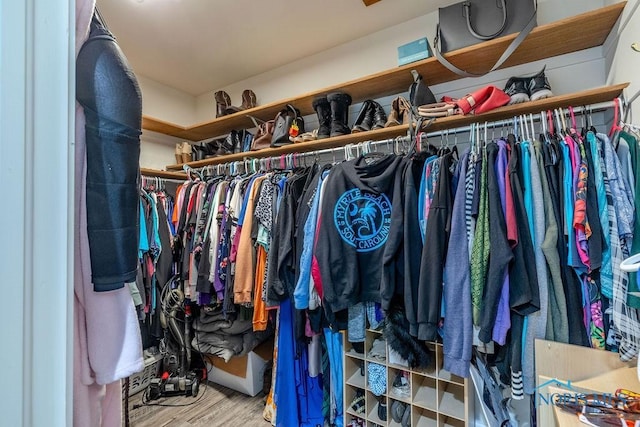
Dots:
(218, 407)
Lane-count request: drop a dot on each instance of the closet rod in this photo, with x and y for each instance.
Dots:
(592, 108)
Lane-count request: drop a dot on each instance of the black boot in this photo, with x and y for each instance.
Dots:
(200, 152)
(379, 116)
(323, 110)
(339, 113)
(364, 120)
(229, 145)
(211, 148)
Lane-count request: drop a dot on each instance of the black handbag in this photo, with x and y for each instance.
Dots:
(288, 122)
(473, 21)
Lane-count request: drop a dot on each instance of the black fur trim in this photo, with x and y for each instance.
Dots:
(396, 332)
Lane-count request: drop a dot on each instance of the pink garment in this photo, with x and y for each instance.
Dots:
(107, 342)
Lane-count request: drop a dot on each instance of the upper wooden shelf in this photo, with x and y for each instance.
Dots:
(587, 97)
(568, 35)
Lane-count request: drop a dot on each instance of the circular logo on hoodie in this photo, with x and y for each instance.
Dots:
(363, 219)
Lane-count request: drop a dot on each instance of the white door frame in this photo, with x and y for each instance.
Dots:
(37, 89)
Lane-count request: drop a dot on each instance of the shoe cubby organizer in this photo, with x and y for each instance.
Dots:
(430, 396)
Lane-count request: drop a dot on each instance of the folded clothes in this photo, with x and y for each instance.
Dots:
(232, 342)
(378, 349)
(214, 314)
(205, 348)
(224, 327)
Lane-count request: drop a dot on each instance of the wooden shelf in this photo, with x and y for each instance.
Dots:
(568, 35)
(162, 174)
(587, 97)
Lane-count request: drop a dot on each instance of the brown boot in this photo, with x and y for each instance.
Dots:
(179, 152)
(394, 115)
(223, 101)
(186, 152)
(248, 99)
(405, 110)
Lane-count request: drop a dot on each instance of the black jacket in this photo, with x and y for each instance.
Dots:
(355, 223)
(434, 254)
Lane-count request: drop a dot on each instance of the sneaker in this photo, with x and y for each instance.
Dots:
(517, 89)
(397, 411)
(357, 404)
(382, 409)
(539, 87)
(400, 386)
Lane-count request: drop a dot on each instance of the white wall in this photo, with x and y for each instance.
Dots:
(157, 150)
(166, 103)
(622, 62)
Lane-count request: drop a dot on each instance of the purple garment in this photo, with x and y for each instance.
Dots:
(219, 277)
(503, 316)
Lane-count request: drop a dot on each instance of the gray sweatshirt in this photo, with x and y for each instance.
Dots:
(458, 327)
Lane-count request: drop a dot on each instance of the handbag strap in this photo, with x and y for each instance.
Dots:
(294, 110)
(467, 8)
(505, 55)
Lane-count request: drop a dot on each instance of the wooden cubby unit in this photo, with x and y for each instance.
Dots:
(435, 397)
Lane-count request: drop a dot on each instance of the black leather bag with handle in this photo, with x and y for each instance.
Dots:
(288, 122)
(474, 21)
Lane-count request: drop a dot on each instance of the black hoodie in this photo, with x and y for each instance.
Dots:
(355, 222)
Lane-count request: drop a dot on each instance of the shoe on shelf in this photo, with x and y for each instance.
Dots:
(400, 386)
(379, 116)
(405, 110)
(382, 409)
(394, 117)
(364, 119)
(248, 99)
(406, 418)
(517, 89)
(211, 148)
(323, 110)
(532, 88)
(187, 152)
(339, 103)
(179, 153)
(199, 151)
(223, 102)
(539, 87)
(230, 144)
(397, 411)
(357, 404)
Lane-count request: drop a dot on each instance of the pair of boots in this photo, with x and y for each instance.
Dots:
(223, 102)
(183, 152)
(370, 117)
(232, 143)
(333, 114)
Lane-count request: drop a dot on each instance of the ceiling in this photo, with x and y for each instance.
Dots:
(198, 46)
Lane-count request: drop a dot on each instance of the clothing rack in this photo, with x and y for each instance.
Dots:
(156, 179)
(402, 144)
